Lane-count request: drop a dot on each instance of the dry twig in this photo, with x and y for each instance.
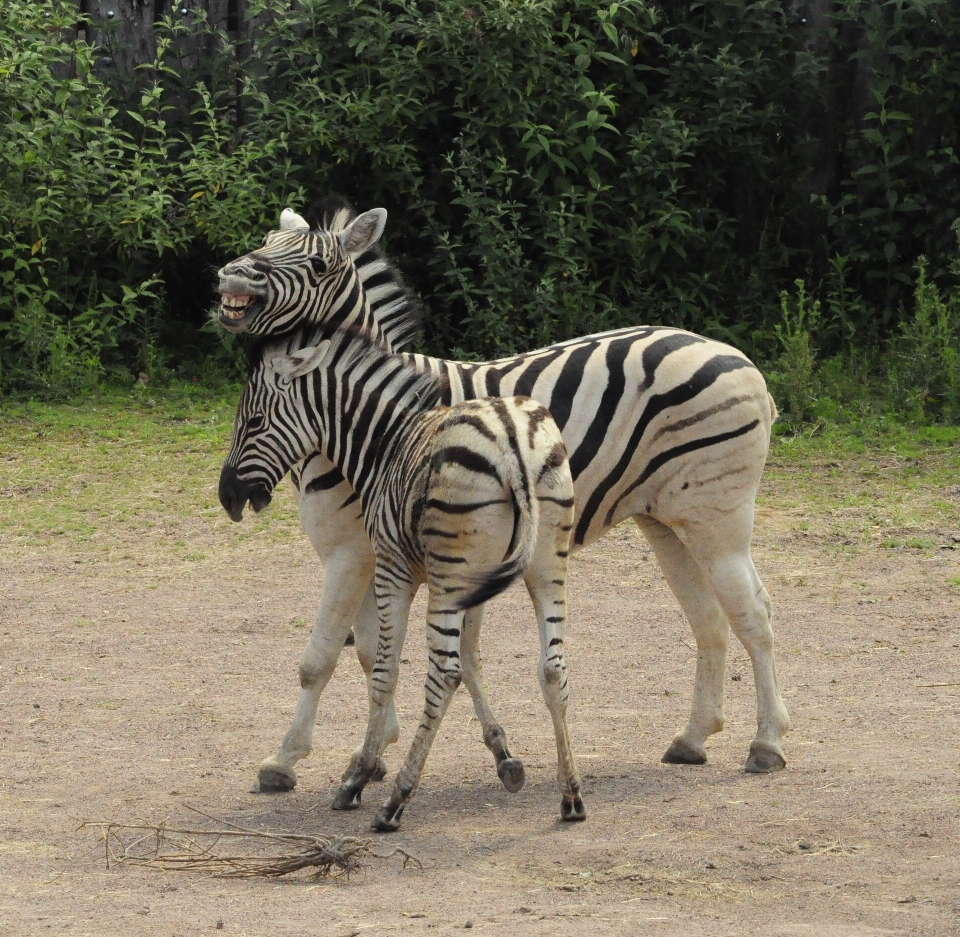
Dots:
(160, 846)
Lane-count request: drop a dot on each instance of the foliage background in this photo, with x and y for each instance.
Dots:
(765, 171)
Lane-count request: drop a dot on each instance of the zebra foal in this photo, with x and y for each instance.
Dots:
(463, 498)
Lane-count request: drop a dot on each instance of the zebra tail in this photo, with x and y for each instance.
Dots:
(773, 409)
(526, 519)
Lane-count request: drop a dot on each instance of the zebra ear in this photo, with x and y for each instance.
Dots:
(364, 231)
(288, 368)
(291, 221)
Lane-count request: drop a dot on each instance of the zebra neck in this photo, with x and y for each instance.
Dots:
(369, 409)
(350, 309)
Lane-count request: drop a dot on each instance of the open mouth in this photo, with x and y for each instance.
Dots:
(236, 307)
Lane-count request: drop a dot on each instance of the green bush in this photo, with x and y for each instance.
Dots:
(551, 168)
(924, 370)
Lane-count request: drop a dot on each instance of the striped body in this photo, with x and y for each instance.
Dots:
(661, 425)
(463, 498)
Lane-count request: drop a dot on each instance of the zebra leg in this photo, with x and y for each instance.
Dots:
(444, 674)
(550, 605)
(345, 581)
(711, 631)
(367, 633)
(393, 601)
(509, 769)
(723, 552)
(546, 582)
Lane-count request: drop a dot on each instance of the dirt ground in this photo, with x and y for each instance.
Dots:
(135, 688)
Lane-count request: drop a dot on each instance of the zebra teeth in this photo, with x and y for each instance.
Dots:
(234, 305)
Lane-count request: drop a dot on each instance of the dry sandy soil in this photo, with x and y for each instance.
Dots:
(135, 688)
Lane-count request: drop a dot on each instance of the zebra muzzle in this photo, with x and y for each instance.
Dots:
(235, 492)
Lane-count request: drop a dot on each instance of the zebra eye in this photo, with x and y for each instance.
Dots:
(255, 423)
(319, 264)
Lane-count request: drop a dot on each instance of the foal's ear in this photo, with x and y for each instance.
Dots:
(288, 368)
(291, 221)
(364, 231)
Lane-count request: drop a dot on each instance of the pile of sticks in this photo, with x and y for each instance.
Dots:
(231, 852)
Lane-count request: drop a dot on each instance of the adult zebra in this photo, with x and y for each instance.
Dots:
(662, 425)
(463, 498)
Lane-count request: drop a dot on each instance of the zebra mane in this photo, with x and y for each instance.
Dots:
(392, 303)
(329, 213)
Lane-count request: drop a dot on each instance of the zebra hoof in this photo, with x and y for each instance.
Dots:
(682, 752)
(387, 819)
(275, 778)
(764, 761)
(510, 771)
(347, 798)
(572, 810)
(350, 639)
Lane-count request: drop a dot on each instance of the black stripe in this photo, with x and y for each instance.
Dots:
(446, 632)
(524, 385)
(568, 383)
(656, 351)
(440, 558)
(616, 354)
(467, 419)
(325, 482)
(468, 458)
(350, 500)
(450, 507)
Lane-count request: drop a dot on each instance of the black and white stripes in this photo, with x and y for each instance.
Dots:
(465, 499)
(661, 425)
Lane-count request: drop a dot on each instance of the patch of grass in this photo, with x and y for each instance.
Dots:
(873, 478)
(129, 472)
(124, 472)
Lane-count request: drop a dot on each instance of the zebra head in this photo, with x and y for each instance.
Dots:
(298, 275)
(271, 431)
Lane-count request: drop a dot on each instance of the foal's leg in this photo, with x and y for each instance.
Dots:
(509, 769)
(367, 632)
(393, 600)
(546, 582)
(444, 673)
(711, 631)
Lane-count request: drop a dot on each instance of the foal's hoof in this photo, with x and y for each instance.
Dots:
(387, 819)
(510, 771)
(379, 773)
(763, 761)
(347, 798)
(275, 778)
(572, 809)
(681, 752)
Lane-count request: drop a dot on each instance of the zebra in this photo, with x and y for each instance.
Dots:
(661, 425)
(465, 498)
